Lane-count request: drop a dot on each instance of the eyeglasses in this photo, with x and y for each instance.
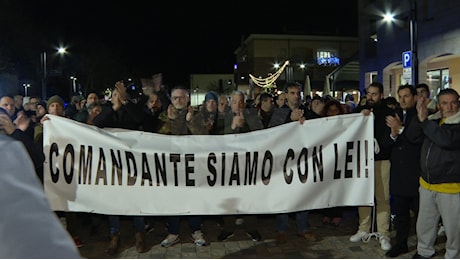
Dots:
(177, 97)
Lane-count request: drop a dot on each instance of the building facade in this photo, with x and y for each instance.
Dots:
(321, 58)
(200, 84)
(429, 30)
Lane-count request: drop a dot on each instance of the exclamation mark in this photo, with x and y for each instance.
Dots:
(366, 162)
(358, 162)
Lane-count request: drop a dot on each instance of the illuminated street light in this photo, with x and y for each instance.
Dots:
(43, 64)
(62, 50)
(74, 84)
(43, 74)
(26, 87)
(389, 18)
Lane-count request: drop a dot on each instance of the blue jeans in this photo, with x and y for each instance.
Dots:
(301, 218)
(114, 223)
(194, 223)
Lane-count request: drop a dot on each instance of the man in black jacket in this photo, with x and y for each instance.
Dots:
(374, 104)
(406, 140)
(122, 113)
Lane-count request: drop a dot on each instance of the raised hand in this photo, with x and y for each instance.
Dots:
(122, 95)
(422, 109)
(296, 114)
(394, 123)
(190, 113)
(22, 121)
(172, 112)
(238, 120)
(6, 124)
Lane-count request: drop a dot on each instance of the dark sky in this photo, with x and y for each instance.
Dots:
(177, 39)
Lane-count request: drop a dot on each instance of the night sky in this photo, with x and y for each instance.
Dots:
(109, 40)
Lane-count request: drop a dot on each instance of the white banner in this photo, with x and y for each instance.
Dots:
(325, 162)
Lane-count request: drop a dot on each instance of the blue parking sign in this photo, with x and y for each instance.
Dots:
(407, 59)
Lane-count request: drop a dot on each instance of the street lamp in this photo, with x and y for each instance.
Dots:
(43, 74)
(43, 63)
(26, 87)
(74, 85)
(62, 50)
(289, 73)
(413, 39)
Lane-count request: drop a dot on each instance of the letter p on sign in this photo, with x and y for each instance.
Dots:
(407, 59)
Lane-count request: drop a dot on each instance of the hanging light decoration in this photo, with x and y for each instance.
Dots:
(270, 81)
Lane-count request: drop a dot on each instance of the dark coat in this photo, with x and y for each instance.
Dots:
(405, 156)
(381, 130)
(282, 115)
(440, 155)
(129, 116)
(35, 152)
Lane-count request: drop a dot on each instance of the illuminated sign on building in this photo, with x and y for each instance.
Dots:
(328, 61)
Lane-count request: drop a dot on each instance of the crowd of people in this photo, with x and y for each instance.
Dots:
(415, 158)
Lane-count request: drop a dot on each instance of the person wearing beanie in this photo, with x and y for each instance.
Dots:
(209, 113)
(42, 103)
(41, 110)
(55, 106)
(211, 95)
(55, 99)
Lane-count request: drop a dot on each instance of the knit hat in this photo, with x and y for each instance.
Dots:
(42, 103)
(25, 100)
(54, 99)
(211, 95)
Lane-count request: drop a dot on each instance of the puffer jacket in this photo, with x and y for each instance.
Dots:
(440, 153)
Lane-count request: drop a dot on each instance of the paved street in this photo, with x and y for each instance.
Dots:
(333, 242)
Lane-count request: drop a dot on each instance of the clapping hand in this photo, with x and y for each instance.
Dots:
(22, 122)
(171, 112)
(6, 124)
(422, 109)
(190, 113)
(296, 114)
(394, 123)
(238, 120)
